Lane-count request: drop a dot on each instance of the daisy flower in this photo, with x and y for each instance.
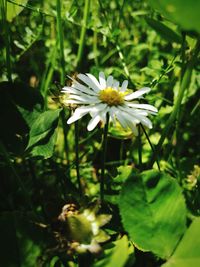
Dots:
(105, 96)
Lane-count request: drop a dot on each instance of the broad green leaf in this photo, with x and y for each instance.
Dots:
(153, 212)
(45, 147)
(43, 135)
(183, 12)
(164, 31)
(187, 253)
(20, 105)
(117, 254)
(13, 9)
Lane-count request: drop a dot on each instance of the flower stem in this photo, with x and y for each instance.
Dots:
(105, 135)
(184, 85)
(77, 157)
(140, 147)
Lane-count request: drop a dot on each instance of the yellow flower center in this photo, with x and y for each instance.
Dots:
(111, 96)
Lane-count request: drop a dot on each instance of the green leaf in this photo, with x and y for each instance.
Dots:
(164, 31)
(153, 212)
(185, 13)
(14, 9)
(20, 105)
(187, 253)
(117, 254)
(43, 134)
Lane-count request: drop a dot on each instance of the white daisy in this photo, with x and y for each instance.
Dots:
(99, 97)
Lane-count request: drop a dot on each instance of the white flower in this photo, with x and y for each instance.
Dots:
(106, 96)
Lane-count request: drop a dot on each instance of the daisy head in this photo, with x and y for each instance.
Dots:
(106, 96)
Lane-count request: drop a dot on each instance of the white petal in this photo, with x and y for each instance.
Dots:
(115, 84)
(86, 102)
(142, 106)
(121, 120)
(94, 79)
(133, 128)
(140, 118)
(102, 80)
(124, 85)
(112, 115)
(137, 93)
(83, 97)
(103, 114)
(79, 113)
(73, 91)
(83, 88)
(97, 108)
(88, 81)
(119, 117)
(133, 111)
(109, 82)
(130, 114)
(93, 122)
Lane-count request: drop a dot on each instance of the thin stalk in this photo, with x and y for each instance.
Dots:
(151, 145)
(184, 85)
(77, 157)
(79, 60)
(105, 135)
(7, 39)
(83, 33)
(61, 42)
(66, 144)
(140, 147)
(62, 78)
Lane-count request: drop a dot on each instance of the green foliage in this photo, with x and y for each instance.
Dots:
(116, 254)
(153, 212)
(42, 136)
(183, 12)
(145, 218)
(187, 254)
(164, 31)
(13, 9)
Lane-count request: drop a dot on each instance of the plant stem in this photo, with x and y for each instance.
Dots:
(105, 135)
(65, 132)
(149, 141)
(83, 32)
(79, 59)
(184, 85)
(77, 157)
(61, 43)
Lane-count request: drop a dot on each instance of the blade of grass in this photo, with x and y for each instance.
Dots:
(83, 33)
(60, 41)
(7, 38)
